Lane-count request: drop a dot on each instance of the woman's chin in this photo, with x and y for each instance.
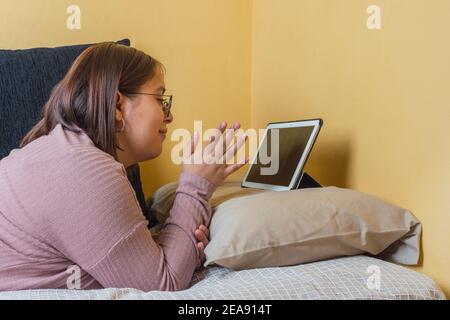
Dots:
(155, 153)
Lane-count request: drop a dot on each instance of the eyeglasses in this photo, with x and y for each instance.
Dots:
(165, 100)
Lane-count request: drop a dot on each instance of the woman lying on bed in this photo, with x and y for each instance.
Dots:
(66, 203)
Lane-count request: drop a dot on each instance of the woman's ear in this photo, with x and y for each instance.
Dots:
(119, 114)
(119, 98)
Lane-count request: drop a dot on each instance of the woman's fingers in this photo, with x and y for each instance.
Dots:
(224, 141)
(234, 167)
(199, 235)
(230, 137)
(201, 250)
(190, 146)
(201, 245)
(217, 132)
(194, 142)
(221, 128)
(205, 230)
(231, 152)
(220, 140)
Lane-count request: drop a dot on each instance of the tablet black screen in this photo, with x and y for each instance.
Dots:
(292, 144)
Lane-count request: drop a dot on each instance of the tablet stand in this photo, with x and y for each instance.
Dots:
(306, 181)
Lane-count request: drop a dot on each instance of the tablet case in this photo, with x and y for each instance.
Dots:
(306, 181)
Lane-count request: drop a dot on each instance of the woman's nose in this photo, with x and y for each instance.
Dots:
(169, 119)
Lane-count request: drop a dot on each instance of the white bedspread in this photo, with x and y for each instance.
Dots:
(342, 278)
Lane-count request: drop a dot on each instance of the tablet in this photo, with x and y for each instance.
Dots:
(282, 154)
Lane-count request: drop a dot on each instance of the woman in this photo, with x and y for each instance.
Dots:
(65, 198)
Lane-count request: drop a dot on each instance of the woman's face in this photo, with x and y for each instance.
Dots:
(145, 124)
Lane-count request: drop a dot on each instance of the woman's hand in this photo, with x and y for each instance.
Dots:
(211, 161)
(202, 234)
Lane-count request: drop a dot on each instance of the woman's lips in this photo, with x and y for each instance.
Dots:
(163, 133)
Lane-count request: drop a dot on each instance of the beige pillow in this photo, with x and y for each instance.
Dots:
(162, 200)
(254, 228)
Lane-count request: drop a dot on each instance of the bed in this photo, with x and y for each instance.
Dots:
(341, 278)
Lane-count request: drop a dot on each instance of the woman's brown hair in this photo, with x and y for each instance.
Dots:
(86, 97)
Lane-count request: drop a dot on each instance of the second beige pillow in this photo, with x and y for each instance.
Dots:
(276, 228)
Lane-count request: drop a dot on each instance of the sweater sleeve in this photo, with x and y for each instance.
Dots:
(105, 233)
(169, 261)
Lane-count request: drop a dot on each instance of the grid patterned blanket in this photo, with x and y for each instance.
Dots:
(357, 277)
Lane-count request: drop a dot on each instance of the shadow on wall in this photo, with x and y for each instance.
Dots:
(330, 163)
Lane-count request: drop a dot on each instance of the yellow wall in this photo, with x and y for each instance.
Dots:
(204, 44)
(384, 97)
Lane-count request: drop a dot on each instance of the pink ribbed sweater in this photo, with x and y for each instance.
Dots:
(64, 202)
